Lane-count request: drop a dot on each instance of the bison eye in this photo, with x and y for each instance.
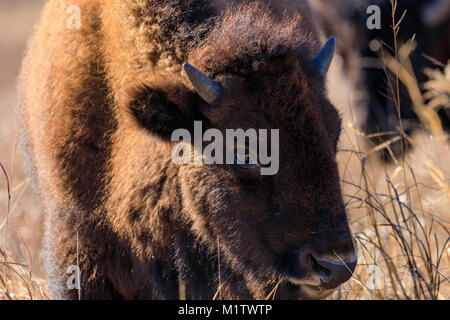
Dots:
(243, 159)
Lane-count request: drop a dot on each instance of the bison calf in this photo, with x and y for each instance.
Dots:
(98, 106)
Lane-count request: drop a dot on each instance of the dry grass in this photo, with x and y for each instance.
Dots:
(21, 270)
(399, 215)
(399, 211)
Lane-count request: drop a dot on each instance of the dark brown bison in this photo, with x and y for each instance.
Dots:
(98, 106)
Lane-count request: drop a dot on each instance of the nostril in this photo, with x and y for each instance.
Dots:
(325, 270)
(323, 273)
(319, 268)
(332, 273)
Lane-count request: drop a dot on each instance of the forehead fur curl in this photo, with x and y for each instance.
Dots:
(248, 38)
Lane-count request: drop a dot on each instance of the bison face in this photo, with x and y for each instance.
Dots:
(292, 225)
(284, 234)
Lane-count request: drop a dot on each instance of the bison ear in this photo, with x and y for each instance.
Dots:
(206, 88)
(161, 111)
(322, 60)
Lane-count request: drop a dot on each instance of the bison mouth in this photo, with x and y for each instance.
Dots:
(314, 278)
(315, 292)
(306, 290)
(288, 290)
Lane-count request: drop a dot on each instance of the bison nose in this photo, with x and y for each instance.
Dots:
(330, 265)
(331, 272)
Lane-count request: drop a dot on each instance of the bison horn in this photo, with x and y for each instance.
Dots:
(323, 59)
(207, 89)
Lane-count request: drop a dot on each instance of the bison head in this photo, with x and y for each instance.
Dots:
(292, 224)
(287, 230)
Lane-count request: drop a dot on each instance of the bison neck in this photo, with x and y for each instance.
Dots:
(148, 217)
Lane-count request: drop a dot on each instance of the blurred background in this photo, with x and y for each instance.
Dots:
(394, 154)
(25, 225)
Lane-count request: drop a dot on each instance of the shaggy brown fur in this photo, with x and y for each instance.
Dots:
(98, 105)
